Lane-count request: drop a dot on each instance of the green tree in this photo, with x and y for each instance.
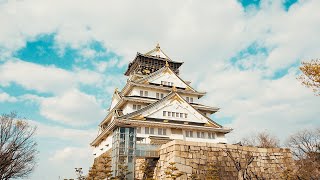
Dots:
(172, 171)
(93, 173)
(212, 172)
(104, 167)
(146, 170)
(123, 172)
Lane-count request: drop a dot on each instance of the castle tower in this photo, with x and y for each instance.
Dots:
(154, 107)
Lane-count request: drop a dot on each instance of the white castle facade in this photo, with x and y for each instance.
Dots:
(154, 107)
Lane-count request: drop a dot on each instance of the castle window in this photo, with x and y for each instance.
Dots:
(151, 130)
(162, 131)
(164, 113)
(189, 134)
(181, 115)
(138, 129)
(169, 114)
(200, 134)
(191, 100)
(211, 135)
(146, 130)
(185, 115)
(157, 95)
(162, 95)
(187, 99)
(166, 83)
(141, 93)
(134, 107)
(177, 114)
(173, 114)
(146, 93)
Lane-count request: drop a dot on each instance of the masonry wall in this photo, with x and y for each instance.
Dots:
(192, 159)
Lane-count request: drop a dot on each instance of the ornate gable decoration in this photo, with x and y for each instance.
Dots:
(171, 103)
(166, 74)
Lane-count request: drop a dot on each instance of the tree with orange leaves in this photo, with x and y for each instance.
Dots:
(311, 75)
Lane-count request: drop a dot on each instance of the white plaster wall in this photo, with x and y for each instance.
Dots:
(105, 145)
(114, 101)
(135, 92)
(177, 136)
(151, 93)
(217, 139)
(128, 108)
(195, 98)
(175, 106)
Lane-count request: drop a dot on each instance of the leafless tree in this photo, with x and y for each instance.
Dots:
(17, 147)
(305, 147)
(241, 161)
(262, 140)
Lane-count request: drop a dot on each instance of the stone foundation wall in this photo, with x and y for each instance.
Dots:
(194, 159)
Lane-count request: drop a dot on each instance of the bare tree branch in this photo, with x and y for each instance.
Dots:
(17, 147)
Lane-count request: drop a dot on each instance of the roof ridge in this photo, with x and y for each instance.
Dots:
(158, 50)
(163, 69)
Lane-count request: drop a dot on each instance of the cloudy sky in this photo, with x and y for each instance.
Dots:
(60, 61)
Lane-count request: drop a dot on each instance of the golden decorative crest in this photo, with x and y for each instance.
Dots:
(209, 124)
(145, 82)
(167, 70)
(174, 88)
(139, 117)
(188, 88)
(176, 98)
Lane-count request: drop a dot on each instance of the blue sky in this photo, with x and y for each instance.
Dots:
(59, 66)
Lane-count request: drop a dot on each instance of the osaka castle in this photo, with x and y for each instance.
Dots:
(155, 107)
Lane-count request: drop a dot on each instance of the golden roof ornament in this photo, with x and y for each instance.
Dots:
(167, 64)
(174, 89)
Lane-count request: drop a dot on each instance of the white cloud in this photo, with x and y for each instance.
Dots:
(72, 107)
(61, 163)
(36, 77)
(204, 34)
(5, 97)
(66, 134)
(281, 106)
(61, 149)
(45, 78)
(71, 153)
